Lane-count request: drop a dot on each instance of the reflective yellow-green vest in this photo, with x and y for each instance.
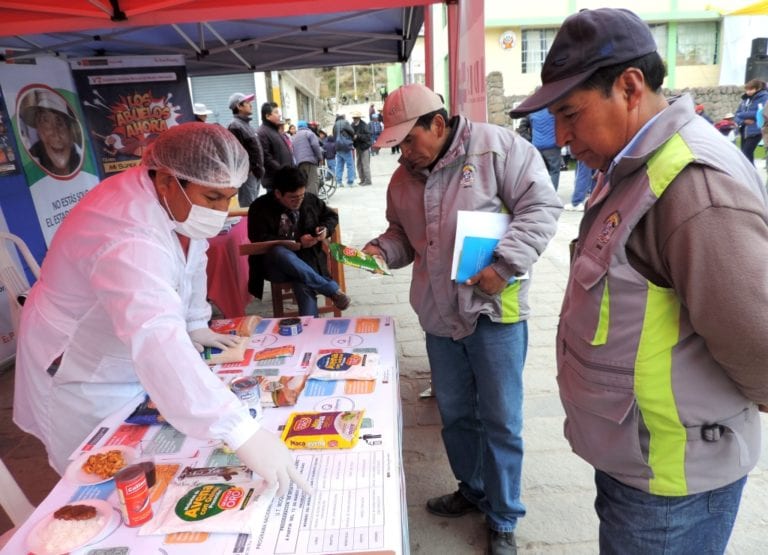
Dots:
(645, 401)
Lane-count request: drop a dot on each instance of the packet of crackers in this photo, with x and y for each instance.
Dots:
(323, 430)
(242, 325)
(356, 258)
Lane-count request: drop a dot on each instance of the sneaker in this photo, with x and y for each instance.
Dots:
(574, 208)
(365, 183)
(501, 543)
(450, 505)
(341, 300)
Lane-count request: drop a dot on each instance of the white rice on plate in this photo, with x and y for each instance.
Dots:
(60, 536)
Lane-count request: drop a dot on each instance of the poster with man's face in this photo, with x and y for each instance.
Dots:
(54, 153)
(50, 132)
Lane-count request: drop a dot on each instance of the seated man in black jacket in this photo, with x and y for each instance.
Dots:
(290, 213)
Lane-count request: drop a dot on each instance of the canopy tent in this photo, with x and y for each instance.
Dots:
(758, 8)
(217, 36)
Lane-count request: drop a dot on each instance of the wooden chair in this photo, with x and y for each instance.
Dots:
(282, 293)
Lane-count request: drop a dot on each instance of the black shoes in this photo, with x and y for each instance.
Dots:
(451, 505)
(341, 300)
(501, 543)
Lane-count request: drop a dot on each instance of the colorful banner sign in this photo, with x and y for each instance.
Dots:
(55, 156)
(128, 101)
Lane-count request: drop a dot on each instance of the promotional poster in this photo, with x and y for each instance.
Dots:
(128, 101)
(55, 156)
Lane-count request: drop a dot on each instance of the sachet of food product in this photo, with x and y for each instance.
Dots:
(281, 391)
(241, 325)
(356, 258)
(213, 506)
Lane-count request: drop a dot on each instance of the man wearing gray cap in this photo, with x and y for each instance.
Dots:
(242, 110)
(121, 305)
(661, 345)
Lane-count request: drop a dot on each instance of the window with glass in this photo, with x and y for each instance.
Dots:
(659, 32)
(697, 43)
(535, 45)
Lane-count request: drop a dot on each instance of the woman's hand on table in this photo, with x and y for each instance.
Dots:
(267, 456)
(206, 337)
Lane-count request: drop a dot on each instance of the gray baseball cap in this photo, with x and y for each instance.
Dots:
(587, 41)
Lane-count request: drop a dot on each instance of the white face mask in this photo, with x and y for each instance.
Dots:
(202, 223)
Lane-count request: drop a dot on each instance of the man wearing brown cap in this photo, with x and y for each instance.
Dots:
(476, 330)
(661, 344)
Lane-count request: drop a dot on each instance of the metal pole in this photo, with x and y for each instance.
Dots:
(354, 82)
(336, 108)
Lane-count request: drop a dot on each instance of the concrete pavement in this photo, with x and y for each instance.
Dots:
(557, 486)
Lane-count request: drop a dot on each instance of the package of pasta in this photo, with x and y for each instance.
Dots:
(323, 430)
(356, 258)
(214, 507)
(242, 325)
(345, 365)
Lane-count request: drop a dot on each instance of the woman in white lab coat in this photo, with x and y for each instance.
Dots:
(121, 298)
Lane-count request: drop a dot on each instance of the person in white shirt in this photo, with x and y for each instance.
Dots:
(120, 307)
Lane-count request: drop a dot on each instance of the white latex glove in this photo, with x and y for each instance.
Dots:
(206, 337)
(268, 457)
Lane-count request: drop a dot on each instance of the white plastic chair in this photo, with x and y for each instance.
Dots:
(12, 276)
(12, 499)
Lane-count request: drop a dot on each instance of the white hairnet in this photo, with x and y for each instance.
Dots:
(201, 153)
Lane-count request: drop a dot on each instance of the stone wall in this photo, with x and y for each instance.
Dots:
(717, 101)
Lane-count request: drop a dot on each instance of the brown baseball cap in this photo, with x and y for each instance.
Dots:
(402, 108)
(587, 41)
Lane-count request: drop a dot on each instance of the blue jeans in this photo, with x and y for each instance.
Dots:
(282, 264)
(583, 183)
(478, 383)
(344, 159)
(553, 160)
(633, 522)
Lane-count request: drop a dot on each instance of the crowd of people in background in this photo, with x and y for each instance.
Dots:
(278, 142)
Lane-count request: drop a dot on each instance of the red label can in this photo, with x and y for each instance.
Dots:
(132, 489)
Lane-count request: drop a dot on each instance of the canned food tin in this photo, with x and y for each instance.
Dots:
(289, 326)
(133, 492)
(248, 390)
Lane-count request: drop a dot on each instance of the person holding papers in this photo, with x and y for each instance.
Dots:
(476, 331)
(120, 307)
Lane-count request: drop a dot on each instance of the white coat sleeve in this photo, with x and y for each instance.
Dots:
(198, 308)
(135, 281)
